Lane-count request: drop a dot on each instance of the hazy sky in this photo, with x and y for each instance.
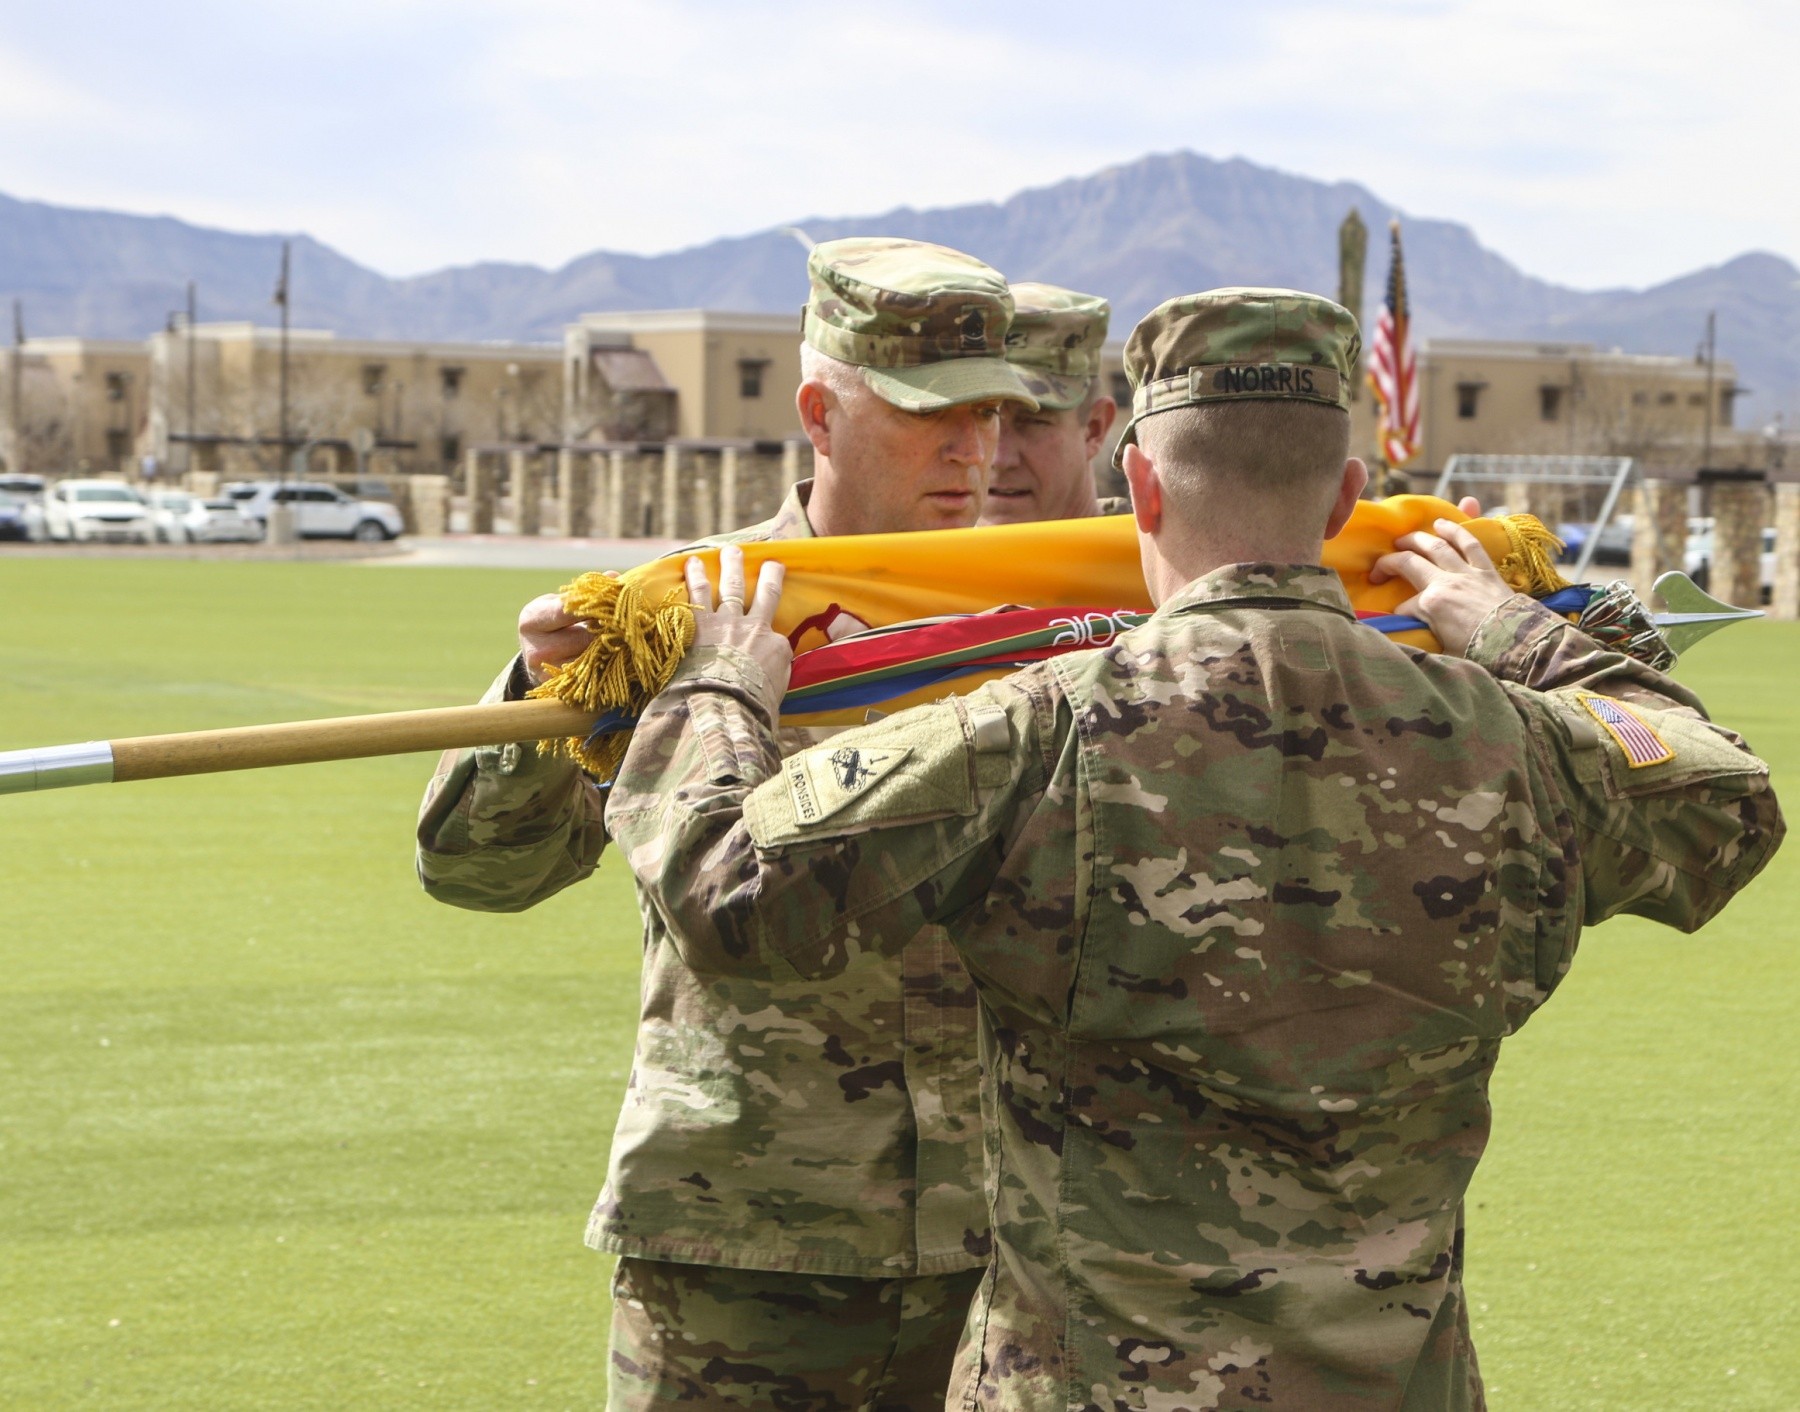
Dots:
(1594, 142)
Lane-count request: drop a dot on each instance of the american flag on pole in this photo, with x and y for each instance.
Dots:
(1393, 373)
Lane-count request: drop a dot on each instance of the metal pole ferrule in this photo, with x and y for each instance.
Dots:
(55, 767)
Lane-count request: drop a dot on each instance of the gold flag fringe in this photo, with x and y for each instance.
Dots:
(1529, 565)
(635, 649)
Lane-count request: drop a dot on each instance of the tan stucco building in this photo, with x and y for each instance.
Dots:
(1491, 397)
(409, 407)
(82, 406)
(690, 374)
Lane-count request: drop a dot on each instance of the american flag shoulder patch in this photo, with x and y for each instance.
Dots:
(1641, 744)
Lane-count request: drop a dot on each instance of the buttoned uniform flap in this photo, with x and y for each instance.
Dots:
(1631, 751)
(912, 767)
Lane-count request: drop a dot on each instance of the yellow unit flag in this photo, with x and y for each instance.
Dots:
(642, 624)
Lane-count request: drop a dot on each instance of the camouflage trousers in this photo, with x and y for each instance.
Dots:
(703, 1336)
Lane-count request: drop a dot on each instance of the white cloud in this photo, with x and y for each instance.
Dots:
(1601, 143)
(33, 93)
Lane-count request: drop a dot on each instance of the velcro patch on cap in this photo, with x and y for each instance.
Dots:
(1263, 380)
(1634, 735)
(1223, 382)
(823, 781)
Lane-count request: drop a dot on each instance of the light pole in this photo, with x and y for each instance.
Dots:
(281, 298)
(1711, 350)
(187, 464)
(15, 451)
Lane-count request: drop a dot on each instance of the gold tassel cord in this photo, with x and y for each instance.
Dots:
(634, 651)
(1529, 564)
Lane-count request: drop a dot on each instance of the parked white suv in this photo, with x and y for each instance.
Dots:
(97, 510)
(320, 511)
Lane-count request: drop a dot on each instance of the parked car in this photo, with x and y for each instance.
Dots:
(25, 518)
(20, 518)
(97, 510)
(320, 511)
(181, 518)
(1698, 559)
(23, 485)
(1614, 546)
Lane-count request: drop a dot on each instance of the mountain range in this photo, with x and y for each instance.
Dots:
(1136, 233)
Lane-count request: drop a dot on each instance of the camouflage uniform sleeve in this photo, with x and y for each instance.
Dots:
(764, 866)
(503, 827)
(1671, 816)
(1522, 641)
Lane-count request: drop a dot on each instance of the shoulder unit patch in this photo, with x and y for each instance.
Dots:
(1630, 731)
(823, 781)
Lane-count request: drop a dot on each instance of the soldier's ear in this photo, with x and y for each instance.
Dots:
(812, 401)
(1100, 419)
(1146, 488)
(1350, 489)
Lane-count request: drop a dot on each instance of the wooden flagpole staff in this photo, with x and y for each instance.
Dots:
(151, 757)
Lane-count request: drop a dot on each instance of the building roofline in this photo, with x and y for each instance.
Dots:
(1508, 348)
(312, 340)
(690, 321)
(1588, 354)
(75, 343)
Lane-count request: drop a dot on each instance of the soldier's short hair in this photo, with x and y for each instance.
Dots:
(1222, 452)
(1096, 389)
(841, 377)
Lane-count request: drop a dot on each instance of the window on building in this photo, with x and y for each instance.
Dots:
(1696, 399)
(750, 376)
(1468, 399)
(1640, 399)
(1665, 399)
(450, 449)
(116, 384)
(1550, 403)
(373, 375)
(452, 380)
(1121, 390)
(118, 445)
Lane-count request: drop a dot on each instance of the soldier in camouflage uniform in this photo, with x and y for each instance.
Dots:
(1044, 468)
(1251, 895)
(795, 1184)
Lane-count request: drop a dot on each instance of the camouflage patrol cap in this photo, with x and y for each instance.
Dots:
(1230, 345)
(1054, 342)
(926, 324)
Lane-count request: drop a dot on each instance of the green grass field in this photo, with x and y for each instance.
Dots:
(279, 1133)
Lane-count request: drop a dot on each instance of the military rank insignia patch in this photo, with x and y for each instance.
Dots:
(1642, 745)
(821, 782)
